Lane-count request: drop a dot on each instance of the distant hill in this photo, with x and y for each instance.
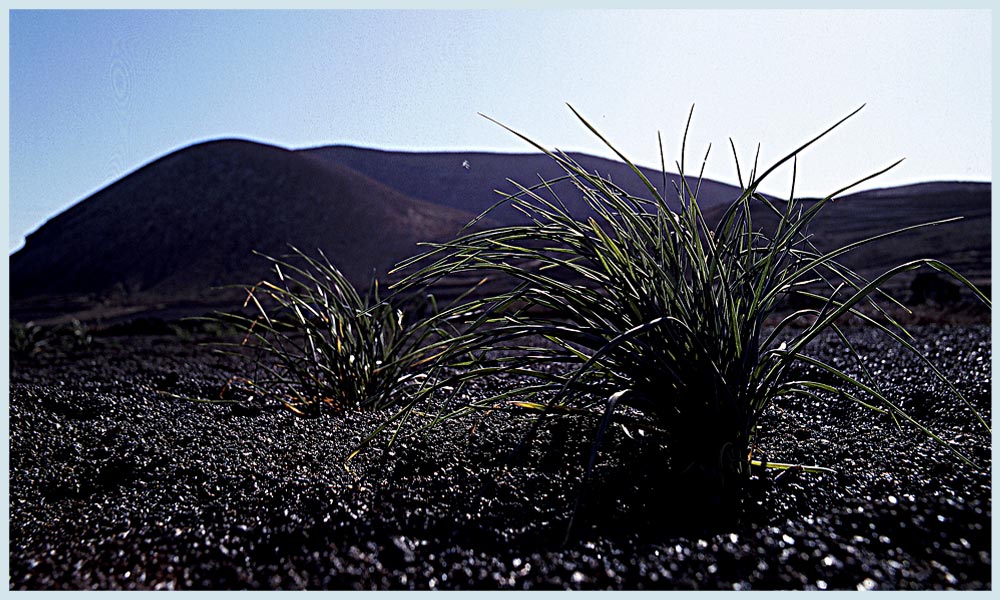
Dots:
(963, 244)
(161, 239)
(166, 234)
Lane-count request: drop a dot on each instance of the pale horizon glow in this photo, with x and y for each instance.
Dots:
(95, 95)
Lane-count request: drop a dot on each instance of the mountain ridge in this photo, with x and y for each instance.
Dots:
(173, 230)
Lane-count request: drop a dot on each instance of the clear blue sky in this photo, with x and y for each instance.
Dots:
(96, 94)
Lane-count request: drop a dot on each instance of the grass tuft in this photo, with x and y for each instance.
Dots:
(640, 308)
(316, 345)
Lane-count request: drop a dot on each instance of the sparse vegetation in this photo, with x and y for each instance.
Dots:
(642, 311)
(647, 343)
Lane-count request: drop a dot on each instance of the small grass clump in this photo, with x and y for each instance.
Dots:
(27, 339)
(317, 345)
(644, 307)
(31, 339)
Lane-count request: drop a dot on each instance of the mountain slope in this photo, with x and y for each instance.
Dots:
(963, 244)
(467, 180)
(190, 220)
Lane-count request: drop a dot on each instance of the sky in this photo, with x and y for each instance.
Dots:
(93, 95)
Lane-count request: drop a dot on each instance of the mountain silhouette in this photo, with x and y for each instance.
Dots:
(186, 223)
(164, 238)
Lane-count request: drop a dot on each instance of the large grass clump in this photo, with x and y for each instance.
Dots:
(644, 307)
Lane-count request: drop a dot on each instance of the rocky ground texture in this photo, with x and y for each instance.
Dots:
(115, 483)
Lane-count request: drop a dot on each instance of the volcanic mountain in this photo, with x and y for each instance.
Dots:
(170, 232)
(164, 237)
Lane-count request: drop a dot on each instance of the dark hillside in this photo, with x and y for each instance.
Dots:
(189, 221)
(964, 244)
(441, 177)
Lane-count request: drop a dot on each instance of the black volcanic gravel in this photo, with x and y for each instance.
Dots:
(114, 485)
